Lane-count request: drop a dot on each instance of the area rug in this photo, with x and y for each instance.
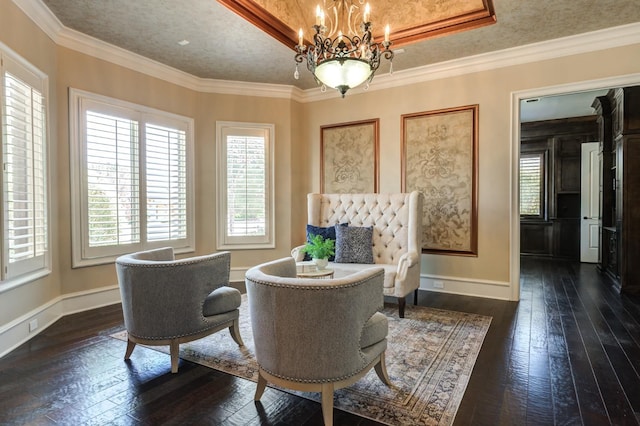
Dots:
(430, 356)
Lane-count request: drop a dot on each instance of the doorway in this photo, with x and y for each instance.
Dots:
(553, 130)
(516, 101)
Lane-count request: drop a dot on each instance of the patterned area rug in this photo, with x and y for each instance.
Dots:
(430, 357)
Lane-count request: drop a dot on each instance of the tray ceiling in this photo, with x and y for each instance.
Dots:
(222, 45)
(409, 21)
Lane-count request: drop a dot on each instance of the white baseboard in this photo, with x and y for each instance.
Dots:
(466, 287)
(237, 274)
(18, 331)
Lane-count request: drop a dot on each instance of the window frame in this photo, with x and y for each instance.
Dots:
(543, 156)
(38, 266)
(81, 101)
(228, 242)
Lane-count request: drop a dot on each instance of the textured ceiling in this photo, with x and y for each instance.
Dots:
(222, 45)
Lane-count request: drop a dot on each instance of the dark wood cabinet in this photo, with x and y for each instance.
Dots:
(619, 129)
(557, 234)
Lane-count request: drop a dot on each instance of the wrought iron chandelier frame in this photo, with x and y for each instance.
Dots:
(343, 48)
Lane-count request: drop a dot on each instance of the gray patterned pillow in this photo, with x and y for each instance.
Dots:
(354, 244)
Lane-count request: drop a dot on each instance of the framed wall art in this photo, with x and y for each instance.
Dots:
(349, 157)
(440, 159)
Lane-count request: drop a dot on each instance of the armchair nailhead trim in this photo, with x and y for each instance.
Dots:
(164, 263)
(316, 287)
(178, 336)
(293, 379)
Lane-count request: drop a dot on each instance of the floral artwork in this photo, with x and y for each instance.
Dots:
(349, 157)
(440, 160)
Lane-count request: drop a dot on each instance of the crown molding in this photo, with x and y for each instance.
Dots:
(609, 38)
(567, 46)
(551, 49)
(40, 14)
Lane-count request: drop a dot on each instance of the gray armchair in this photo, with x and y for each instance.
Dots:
(316, 335)
(168, 302)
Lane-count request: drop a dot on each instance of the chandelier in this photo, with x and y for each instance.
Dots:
(340, 58)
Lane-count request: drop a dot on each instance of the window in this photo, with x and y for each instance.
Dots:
(132, 169)
(532, 185)
(25, 225)
(245, 182)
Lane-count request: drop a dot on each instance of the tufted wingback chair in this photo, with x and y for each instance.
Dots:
(396, 219)
(316, 335)
(168, 302)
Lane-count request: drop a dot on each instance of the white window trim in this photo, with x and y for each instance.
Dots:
(78, 216)
(224, 242)
(39, 80)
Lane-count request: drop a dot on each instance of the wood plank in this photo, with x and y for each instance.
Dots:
(567, 353)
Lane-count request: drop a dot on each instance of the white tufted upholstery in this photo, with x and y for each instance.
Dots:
(397, 228)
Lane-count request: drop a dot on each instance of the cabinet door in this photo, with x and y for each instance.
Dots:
(567, 238)
(567, 164)
(536, 238)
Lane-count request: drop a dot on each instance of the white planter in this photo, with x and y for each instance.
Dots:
(321, 263)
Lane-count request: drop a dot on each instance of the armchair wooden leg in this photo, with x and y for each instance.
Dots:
(415, 296)
(174, 350)
(130, 347)
(235, 332)
(381, 370)
(262, 384)
(327, 403)
(402, 302)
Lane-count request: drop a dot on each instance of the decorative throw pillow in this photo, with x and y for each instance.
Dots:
(327, 233)
(354, 244)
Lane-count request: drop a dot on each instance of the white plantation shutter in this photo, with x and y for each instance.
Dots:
(133, 175)
(246, 212)
(166, 156)
(112, 177)
(245, 196)
(25, 188)
(531, 184)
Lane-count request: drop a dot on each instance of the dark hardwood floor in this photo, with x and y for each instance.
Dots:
(568, 354)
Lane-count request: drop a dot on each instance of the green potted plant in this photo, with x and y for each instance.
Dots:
(319, 249)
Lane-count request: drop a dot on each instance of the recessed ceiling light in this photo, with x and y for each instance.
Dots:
(183, 42)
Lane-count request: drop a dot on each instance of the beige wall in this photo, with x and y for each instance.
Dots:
(79, 71)
(296, 149)
(84, 72)
(214, 108)
(492, 90)
(19, 34)
(68, 68)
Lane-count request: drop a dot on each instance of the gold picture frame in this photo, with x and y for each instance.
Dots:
(440, 159)
(349, 157)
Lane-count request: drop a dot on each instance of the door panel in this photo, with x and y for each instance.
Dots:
(589, 202)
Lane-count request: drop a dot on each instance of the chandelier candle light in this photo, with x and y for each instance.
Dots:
(340, 58)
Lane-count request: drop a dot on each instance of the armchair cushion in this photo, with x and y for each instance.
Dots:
(374, 330)
(221, 300)
(354, 244)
